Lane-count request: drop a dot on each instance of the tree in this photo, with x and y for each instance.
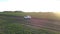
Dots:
(18, 11)
(8, 11)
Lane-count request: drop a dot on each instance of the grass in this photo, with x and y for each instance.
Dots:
(13, 13)
(12, 26)
(20, 29)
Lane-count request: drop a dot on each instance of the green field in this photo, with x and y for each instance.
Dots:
(10, 25)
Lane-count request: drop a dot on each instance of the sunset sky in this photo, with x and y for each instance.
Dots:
(30, 5)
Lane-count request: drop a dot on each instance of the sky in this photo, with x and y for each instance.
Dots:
(30, 5)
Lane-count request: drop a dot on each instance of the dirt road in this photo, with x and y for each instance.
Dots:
(45, 24)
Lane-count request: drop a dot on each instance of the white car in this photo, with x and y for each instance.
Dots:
(27, 17)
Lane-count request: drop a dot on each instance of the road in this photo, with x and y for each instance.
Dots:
(45, 23)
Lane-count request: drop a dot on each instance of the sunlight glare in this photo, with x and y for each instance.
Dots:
(57, 14)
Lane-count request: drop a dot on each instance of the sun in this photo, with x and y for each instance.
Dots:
(57, 14)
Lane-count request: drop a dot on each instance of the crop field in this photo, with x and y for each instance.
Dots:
(41, 23)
